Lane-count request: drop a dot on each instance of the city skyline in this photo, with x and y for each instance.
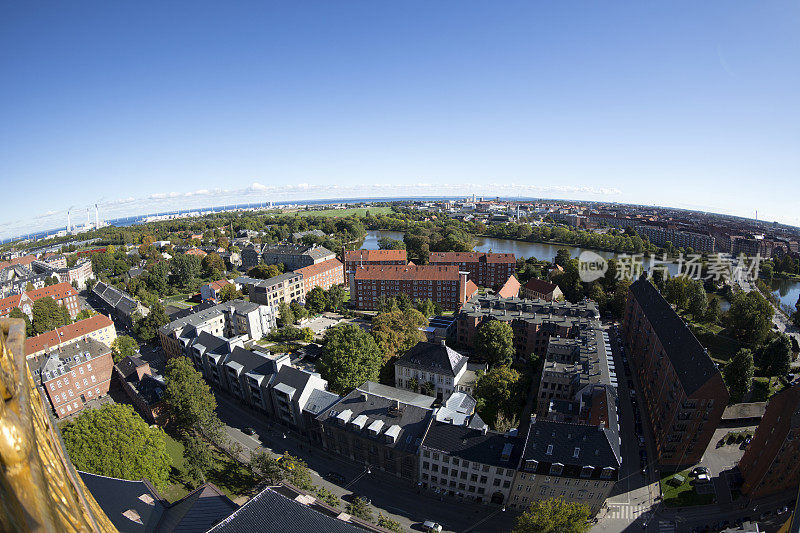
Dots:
(145, 112)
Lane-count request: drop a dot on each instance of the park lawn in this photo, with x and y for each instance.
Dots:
(360, 211)
(684, 494)
(762, 391)
(231, 476)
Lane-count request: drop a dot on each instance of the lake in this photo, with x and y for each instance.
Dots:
(787, 291)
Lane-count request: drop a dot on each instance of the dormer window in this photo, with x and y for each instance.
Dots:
(556, 469)
(549, 449)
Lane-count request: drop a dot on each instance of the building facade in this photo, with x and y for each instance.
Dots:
(358, 258)
(284, 288)
(444, 285)
(431, 363)
(325, 275)
(539, 289)
(74, 375)
(771, 462)
(683, 393)
(486, 269)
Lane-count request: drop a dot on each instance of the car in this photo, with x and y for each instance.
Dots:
(335, 477)
(702, 478)
(367, 500)
(747, 439)
(782, 510)
(250, 431)
(641, 441)
(699, 470)
(431, 527)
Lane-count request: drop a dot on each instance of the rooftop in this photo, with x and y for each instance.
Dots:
(689, 359)
(433, 357)
(471, 257)
(57, 363)
(376, 255)
(66, 333)
(474, 445)
(407, 272)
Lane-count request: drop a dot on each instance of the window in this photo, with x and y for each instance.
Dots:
(81, 370)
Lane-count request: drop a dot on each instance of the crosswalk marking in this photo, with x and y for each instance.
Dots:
(665, 526)
(626, 511)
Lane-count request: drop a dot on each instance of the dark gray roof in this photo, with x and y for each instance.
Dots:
(474, 445)
(294, 378)
(200, 510)
(412, 421)
(116, 496)
(212, 343)
(270, 512)
(433, 357)
(687, 356)
(550, 442)
(129, 364)
(319, 401)
(251, 361)
(183, 313)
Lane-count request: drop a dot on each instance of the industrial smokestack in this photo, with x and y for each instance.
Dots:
(96, 217)
(69, 226)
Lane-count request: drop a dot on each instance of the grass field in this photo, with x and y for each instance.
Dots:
(361, 211)
(682, 495)
(233, 478)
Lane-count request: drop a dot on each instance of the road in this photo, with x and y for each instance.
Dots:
(396, 498)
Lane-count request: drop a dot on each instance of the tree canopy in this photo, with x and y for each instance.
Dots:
(264, 271)
(776, 356)
(114, 441)
(750, 317)
(738, 374)
(49, 315)
(187, 269)
(349, 358)
(495, 341)
(147, 327)
(122, 347)
(188, 397)
(554, 515)
(397, 331)
(229, 292)
(499, 391)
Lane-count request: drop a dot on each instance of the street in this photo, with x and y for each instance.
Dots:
(395, 498)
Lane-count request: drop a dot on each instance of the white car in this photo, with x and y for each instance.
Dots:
(432, 527)
(703, 478)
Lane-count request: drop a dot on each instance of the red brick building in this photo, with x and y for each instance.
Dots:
(485, 269)
(544, 290)
(63, 293)
(74, 375)
(771, 462)
(325, 274)
(98, 327)
(358, 258)
(444, 285)
(683, 393)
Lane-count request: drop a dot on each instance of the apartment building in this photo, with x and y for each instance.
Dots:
(236, 318)
(533, 321)
(98, 327)
(573, 366)
(283, 288)
(73, 375)
(144, 387)
(486, 269)
(434, 363)
(78, 273)
(445, 285)
(682, 391)
(575, 462)
(325, 274)
(358, 258)
(771, 462)
(466, 462)
(660, 235)
(378, 426)
(63, 293)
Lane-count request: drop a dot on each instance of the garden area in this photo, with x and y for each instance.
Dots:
(678, 490)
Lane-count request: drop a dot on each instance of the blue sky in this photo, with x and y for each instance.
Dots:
(147, 106)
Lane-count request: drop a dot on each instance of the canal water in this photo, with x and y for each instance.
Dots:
(787, 291)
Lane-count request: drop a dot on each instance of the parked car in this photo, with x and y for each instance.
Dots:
(641, 441)
(699, 470)
(431, 527)
(335, 477)
(782, 510)
(249, 431)
(702, 478)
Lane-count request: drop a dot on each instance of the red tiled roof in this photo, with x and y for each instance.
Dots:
(7, 304)
(25, 260)
(540, 285)
(68, 333)
(196, 251)
(217, 285)
(471, 257)
(59, 291)
(406, 272)
(471, 289)
(510, 289)
(319, 268)
(375, 255)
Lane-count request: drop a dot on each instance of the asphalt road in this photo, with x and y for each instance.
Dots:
(396, 498)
